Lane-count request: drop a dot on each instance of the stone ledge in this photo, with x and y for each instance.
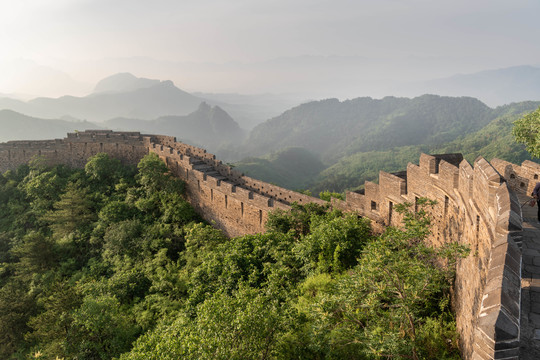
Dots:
(498, 329)
(498, 326)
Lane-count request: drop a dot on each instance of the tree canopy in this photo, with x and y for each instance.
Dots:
(527, 131)
(112, 262)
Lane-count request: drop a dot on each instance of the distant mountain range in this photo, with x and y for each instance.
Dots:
(127, 96)
(148, 102)
(17, 126)
(494, 87)
(208, 126)
(123, 82)
(342, 141)
(124, 102)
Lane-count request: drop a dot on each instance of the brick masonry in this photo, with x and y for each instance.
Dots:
(475, 206)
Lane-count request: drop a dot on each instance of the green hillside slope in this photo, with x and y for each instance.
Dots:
(334, 129)
(361, 161)
(292, 168)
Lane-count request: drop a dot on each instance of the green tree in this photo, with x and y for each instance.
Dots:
(393, 304)
(103, 169)
(52, 328)
(35, 255)
(334, 243)
(527, 131)
(123, 238)
(244, 325)
(72, 212)
(328, 195)
(44, 186)
(153, 173)
(17, 305)
(101, 330)
(297, 220)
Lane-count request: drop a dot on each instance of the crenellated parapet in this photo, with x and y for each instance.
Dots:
(235, 203)
(476, 206)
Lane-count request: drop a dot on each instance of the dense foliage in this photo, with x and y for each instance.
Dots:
(112, 262)
(526, 131)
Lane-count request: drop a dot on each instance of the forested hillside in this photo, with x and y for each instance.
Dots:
(292, 168)
(334, 129)
(398, 131)
(111, 262)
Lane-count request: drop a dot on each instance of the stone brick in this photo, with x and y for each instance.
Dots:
(508, 354)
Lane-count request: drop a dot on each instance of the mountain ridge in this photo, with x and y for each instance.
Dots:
(331, 127)
(474, 129)
(147, 102)
(494, 87)
(123, 82)
(17, 126)
(210, 126)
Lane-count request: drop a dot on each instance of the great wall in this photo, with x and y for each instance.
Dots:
(476, 205)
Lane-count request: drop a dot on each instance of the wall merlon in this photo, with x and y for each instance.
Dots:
(228, 187)
(185, 160)
(262, 201)
(486, 182)
(372, 205)
(487, 170)
(212, 181)
(428, 164)
(196, 175)
(466, 175)
(392, 185)
(243, 193)
(354, 201)
(509, 210)
(449, 175)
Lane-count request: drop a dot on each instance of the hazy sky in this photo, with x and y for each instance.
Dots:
(49, 47)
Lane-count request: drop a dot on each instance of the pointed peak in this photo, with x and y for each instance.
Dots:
(204, 107)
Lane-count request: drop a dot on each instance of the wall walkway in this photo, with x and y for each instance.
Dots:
(530, 284)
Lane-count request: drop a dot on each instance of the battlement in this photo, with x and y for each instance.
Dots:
(475, 206)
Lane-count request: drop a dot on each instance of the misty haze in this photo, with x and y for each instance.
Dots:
(269, 179)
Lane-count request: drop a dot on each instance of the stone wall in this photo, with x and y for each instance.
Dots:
(235, 209)
(75, 149)
(235, 203)
(474, 207)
